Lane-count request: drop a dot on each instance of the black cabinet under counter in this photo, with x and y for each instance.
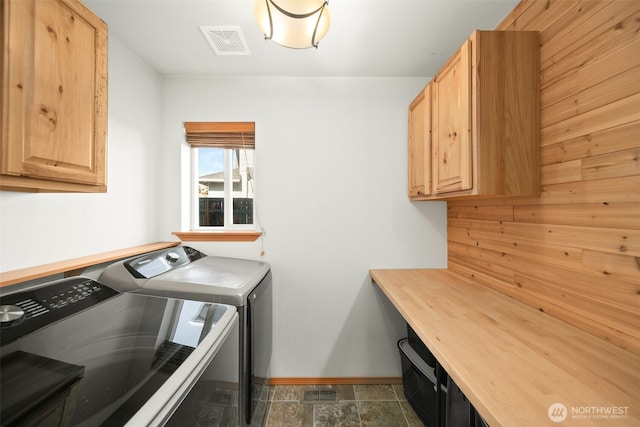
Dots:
(436, 399)
(420, 384)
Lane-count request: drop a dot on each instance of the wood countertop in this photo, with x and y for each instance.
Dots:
(512, 361)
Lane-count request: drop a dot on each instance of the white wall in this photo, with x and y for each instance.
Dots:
(331, 172)
(331, 193)
(41, 228)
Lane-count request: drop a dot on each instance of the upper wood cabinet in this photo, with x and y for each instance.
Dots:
(485, 120)
(54, 102)
(420, 144)
(451, 152)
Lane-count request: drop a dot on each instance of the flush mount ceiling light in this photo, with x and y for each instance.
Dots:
(297, 24)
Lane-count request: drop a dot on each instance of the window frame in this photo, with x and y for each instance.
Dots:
(228, 197)
(203, 134)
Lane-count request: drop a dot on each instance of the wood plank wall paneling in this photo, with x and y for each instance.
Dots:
(574, 251)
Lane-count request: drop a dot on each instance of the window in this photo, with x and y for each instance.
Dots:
(222, 175)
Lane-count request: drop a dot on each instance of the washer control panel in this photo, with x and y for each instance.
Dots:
(25, 312)
(159, 262)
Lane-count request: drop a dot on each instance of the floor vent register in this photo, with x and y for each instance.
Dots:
(319, 396)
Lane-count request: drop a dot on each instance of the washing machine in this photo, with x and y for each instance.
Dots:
(186, 273)
(76, 352)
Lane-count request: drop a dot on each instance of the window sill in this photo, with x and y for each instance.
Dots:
(218, 236)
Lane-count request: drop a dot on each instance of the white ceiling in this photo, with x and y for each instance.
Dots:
(399, 38)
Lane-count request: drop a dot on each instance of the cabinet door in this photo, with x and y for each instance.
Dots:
(55, 99)
(420, 145)
(452, 156)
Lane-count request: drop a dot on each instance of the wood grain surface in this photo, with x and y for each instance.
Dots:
(574, 251)
(512, 361)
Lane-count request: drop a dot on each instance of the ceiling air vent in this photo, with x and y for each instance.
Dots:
(226, 40)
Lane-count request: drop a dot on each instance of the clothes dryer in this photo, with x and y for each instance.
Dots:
(184, 272)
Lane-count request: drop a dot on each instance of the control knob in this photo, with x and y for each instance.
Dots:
(10, 314)
(172, 257)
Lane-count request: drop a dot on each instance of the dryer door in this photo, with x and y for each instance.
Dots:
(259, 339)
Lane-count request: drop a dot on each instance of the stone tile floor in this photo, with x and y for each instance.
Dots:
(356, 406)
